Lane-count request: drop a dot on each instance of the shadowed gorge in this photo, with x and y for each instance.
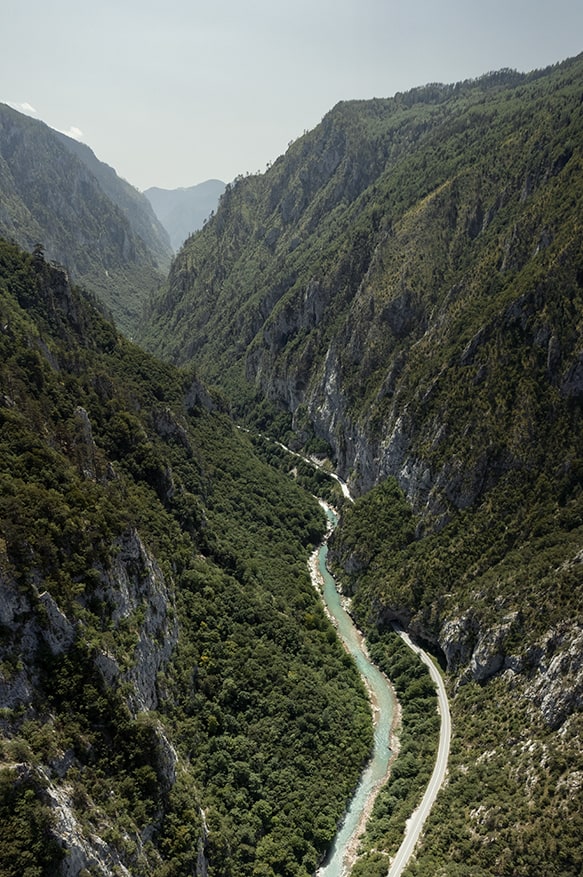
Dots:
(403, 292)
(398, 297)
(173, 696)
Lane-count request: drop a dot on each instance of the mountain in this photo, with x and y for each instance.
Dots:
(403, 291)
(183, 211)
(131, 202)
(173, 699)
(54, 192)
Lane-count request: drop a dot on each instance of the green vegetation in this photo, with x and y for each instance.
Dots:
(401, 294)
(57, 194)
(377, 525)
(511, 803)
(406, 284)
(149, 556)
(504, 573)
(509, 553)
(27, 848)
(261, 689)
(411, 771)
(446, 199)
(313, 477)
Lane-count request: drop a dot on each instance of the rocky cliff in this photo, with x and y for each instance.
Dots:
(55, 193)
(41, 634)
(406, 282)
(169, 683)
(405, 288)
(395, 251)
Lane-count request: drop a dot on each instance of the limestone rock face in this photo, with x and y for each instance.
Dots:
(30, 620)
(549, 672)
(556, 684)
(140, 600)
(86, 446)
(83, 853)
(90, 851)
(572, 383)
(456, 639)
(167, 426)
(134, 586)
(488, 654)
(59, 632)
(197, 395)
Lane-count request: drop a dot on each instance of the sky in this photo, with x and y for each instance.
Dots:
(177, 92)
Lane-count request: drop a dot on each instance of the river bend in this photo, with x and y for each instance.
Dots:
(343, 851)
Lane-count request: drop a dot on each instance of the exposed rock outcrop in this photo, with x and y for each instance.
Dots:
(83, 852)
(135, 588)
(557, 688)
(550, 671)
(86, 449)
(140, 600)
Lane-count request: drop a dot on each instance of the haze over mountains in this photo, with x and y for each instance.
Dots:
(401, 294)
(93, 203)
(55, 192)
(184, 211)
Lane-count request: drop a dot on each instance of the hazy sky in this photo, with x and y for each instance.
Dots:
(172, 93)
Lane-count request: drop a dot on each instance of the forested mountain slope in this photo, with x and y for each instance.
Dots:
(384, 243)
(173, 699)
(54, 192)
(406, 285)
(131, 202)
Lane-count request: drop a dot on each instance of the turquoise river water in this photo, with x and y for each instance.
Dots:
(337, 864)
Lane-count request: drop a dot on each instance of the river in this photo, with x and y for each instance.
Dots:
(343, 852)
(342, 855)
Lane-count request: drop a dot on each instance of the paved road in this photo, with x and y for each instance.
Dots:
(417, 820)
(313, 461)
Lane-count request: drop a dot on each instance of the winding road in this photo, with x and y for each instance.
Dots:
(417, 820)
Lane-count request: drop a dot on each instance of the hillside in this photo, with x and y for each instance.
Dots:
(173, 699)
(184, 211)
(131, 202)
(403, 290)
(54, 192)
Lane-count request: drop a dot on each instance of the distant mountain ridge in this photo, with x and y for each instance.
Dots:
(183, 211)
(55, 192)
(129, 199)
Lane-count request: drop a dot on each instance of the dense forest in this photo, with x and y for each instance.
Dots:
(172, 690)
(402, 292)
(399, 296)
